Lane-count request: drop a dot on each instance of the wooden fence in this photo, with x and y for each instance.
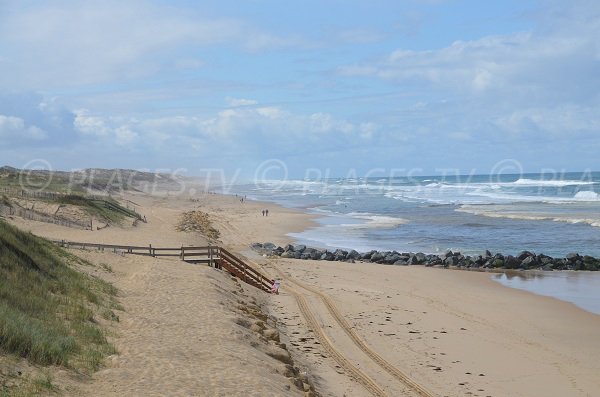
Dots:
(213, 256)
(42, 217)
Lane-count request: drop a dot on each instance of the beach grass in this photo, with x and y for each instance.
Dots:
(107, 209)
(49, 311)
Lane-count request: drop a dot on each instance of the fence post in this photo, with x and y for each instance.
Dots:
(150, 249)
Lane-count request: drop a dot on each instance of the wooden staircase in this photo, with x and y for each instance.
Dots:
(240, 269)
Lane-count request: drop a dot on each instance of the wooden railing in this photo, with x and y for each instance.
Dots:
(213, 256)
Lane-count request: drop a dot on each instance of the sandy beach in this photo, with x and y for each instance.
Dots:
(354, 329)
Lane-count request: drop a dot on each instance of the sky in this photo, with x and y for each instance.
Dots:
(301, 88)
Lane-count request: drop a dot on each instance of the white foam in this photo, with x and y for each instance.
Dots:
(554, 183)
(587, 195)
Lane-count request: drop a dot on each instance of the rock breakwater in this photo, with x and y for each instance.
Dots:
(524, 260)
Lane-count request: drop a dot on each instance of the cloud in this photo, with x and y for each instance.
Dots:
(235, 102)
(62, 44)
(14, 128)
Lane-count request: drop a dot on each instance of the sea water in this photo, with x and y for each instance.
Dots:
(501, 213)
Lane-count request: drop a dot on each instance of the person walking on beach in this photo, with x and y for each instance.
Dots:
(266, 212)
(263, 212)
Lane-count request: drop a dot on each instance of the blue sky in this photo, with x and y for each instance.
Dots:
(335, 86)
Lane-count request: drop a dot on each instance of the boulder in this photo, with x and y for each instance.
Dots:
(299, 248)
(529, 262)
(377, 256)
(288, 254)
(340, 255)
(367, 255)
(269, 246)
(510, 262)
(353, 255)
(327, 256)
(450, 261)
(572, 257)
(288, 247)
(524, 254)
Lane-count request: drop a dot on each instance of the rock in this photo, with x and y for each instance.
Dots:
(573, 256)
(299, 248)
(510, 262)
(420, 256)
(340, 255)
(327, 256)
(288, 254)
(524, 254)
(269, 246)
(593, 267)
(377, 256)
(498, 262)
(288, 247)
(256, 246)
(446, 255)
(488, 254)
(305, 255)
(316, 254)
(391, 258)
(367, 255)
(353, 254)
(401, 263)
(278, 251)
(450, 261)
(529, 262)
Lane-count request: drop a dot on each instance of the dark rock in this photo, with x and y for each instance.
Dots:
(391, 258)
(277, 251)
(305, 255)
(367, 255)
(269, 246)
(288, 247)
(420, 256)
(297, 254)
(523, 255)
(510, 262)
(593, 267)
(498, 262)
(299, 248)
(377, 256)
(450, 261)
(328, 256)
(401, 263)
(353, 255)
(529, 262)
(340, 255)
(316, 254)
(573, 256)
(488, 254)
(288, 254)
(447, 254)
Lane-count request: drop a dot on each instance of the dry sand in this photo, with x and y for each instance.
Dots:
(455, 333)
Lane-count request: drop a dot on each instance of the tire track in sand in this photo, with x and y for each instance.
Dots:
(326, 343)
(358, 341)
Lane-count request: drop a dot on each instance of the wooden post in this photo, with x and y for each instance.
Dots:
(210, 256)
(150, 249)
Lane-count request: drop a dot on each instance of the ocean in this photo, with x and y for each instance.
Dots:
(550, 214)
(502, 213)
